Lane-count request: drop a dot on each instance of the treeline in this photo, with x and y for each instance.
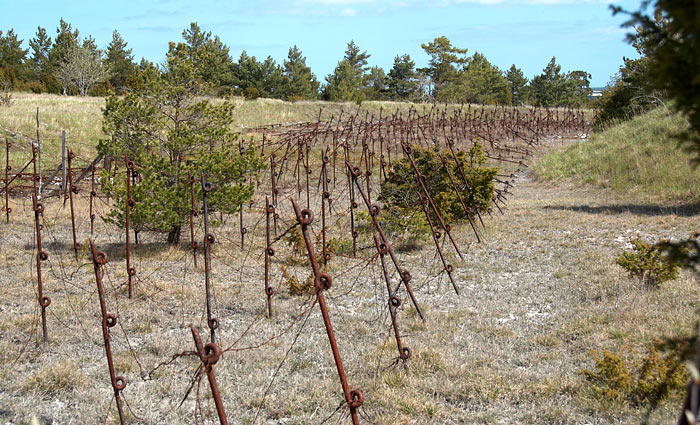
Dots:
(70, 64)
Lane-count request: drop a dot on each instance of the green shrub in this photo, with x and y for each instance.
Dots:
(251, 93)
(656, 378)
(648, 263)
(402, 212)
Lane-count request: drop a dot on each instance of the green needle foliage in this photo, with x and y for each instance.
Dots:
(648, 263)
(169, 128)
(399, 192)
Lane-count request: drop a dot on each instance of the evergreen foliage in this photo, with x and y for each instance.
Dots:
(300, 83)
(402, 82)
(119, 62)
(399, 192)
(518, 85)
(168, 127)
(442, 66)
(348, 77)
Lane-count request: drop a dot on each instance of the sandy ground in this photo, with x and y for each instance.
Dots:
(538, 298)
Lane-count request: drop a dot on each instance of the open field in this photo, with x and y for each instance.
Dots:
(540, 298)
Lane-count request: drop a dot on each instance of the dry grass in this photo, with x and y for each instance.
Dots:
(539, 296)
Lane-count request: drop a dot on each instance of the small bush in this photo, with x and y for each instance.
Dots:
(648, 263)
(251, 93)
(59, 378)
(402, 212)
(295, 287)
(655, 379)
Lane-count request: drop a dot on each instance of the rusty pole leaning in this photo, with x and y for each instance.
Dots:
(41, 255)
(355, 172)
(212, 322)
(72, 190)
(108, 320)
(209, 354)
(193, 213)
(322, 282)
(130, 271)
(269, 252)
(92, 199)
(8, 210)
(394, 301)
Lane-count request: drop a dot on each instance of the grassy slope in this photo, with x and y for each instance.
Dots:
(82, 119)
(639, 158)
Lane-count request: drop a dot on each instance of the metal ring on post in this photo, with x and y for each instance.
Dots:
(270, 291)
(119, 383)
(307, 217)
(43, 255)
(374, 210)
(406, 276)
(324, 281)
(213, 323)
(206, 186)
(132, 271)
(405, 353)
(395, 301)
(45, 302)
(270, 252)
(210, 238)
(212, 353)
(110, 320)
(101, 258)
(357, 399)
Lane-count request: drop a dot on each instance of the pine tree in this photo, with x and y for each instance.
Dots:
(12, 58)
(347, 78)
(208, 54)
(548, 87)
(168, 127)
(119, 62)
(66, 41)
(443, 60)
(40, 46)
(518, 85)
(300, 82)
(403, 83)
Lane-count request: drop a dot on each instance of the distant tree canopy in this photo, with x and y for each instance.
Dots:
(69, 64)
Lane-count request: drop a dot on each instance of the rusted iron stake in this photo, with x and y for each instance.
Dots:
(41, 256)
(269, 252)
(394, 301)
(92, 199)
(420, 178)
(108, 320)
(130, 271)
(209, 354)
(193, 213)
(212, 322)
(373, 213)
(325, 195)
(8, 210)
(322, 282)
(71, 191)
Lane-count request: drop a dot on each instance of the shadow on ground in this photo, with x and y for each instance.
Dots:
(683, 210)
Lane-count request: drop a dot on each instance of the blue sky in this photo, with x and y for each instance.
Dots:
(582, 34)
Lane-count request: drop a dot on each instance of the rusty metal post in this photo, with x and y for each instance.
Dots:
(459, 195)
(269, 252)
(420, 178)
(8, 168)
(394, 302)
(322, 282)
(212, 322)
(72, 190)
(41, 256)
(243, 230)
(373, 213)
(92, 199)
(193, 213)
(130, 271)
(209, 354)
(325, 195)
(108, 320)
